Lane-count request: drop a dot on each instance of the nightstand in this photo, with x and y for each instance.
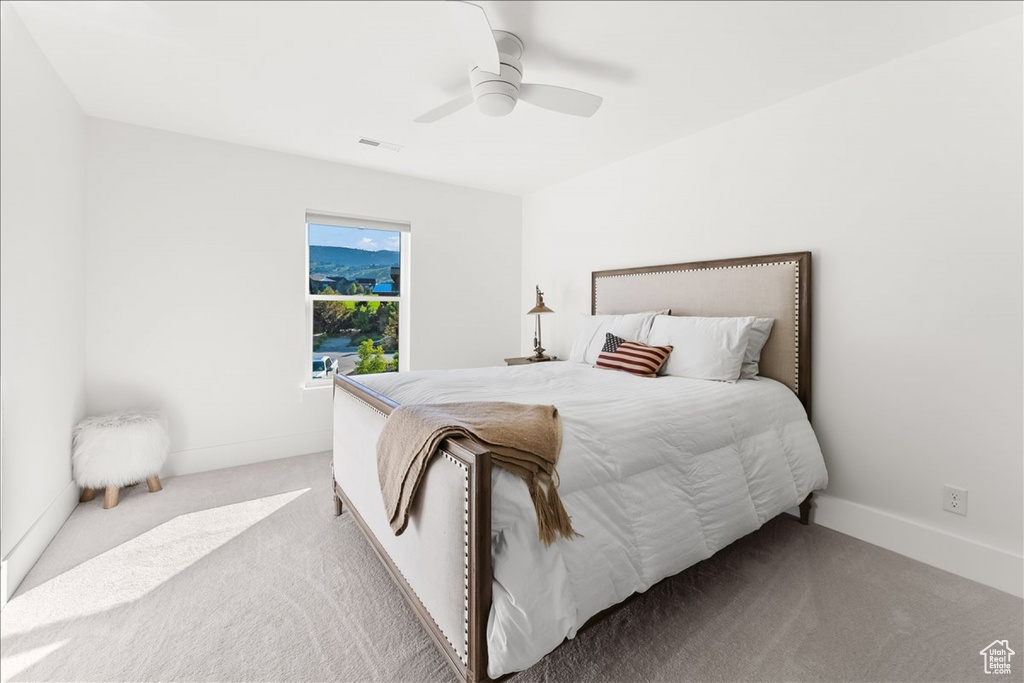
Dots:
(527, 361)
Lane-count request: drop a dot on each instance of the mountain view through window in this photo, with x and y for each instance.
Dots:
(355, 288)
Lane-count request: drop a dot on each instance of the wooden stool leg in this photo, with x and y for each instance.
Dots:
(87, 495)
(111, 497)
(154, 484)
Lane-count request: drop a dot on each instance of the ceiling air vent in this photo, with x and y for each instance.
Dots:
(383, 145)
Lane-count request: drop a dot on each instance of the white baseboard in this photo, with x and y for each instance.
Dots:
(29, 549)
(246, 452)
(955, 554)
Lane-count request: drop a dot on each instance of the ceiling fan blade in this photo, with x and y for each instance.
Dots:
(475, 32)
(446, 109)
(563, 100)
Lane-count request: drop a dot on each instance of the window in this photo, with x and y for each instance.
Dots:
(354, 296)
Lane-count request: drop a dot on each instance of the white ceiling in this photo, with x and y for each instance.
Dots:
(312, 77)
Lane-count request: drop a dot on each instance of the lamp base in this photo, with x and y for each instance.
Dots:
(538, 351)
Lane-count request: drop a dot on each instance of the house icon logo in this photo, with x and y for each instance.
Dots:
(997, 657)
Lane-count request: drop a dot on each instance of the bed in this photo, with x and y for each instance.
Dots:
(493, 598)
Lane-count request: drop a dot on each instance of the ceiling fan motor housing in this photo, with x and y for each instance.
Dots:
(497, 94)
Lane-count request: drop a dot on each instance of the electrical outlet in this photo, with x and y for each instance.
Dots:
(954, 499)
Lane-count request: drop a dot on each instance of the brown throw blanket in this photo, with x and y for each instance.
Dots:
(523, 439)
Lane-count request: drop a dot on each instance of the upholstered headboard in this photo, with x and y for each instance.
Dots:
(776, 286)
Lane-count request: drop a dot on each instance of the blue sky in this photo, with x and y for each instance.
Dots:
(354, 238)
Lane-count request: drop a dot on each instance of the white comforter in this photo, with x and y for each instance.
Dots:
(657, 475)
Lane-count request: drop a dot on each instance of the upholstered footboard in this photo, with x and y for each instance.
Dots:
(442, 562)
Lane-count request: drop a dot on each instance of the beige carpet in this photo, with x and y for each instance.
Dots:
(245, 575)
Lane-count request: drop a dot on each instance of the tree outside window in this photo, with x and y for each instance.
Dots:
(355, 290)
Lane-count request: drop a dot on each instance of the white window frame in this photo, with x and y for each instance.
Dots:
(347, 221)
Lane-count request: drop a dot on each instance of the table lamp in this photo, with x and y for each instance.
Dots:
(537, 310)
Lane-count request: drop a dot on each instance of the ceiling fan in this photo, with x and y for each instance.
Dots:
(496, 75)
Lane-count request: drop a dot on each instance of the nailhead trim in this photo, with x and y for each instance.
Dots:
(796, 299)
(796, 326)
(465, 554)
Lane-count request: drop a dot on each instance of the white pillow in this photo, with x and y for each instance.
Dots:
(759, 332)
(590, 337)
(704, 348)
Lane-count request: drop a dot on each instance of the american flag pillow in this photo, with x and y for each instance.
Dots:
(611, 342)
(634, 358)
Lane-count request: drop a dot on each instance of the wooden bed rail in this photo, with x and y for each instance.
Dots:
(475, 460)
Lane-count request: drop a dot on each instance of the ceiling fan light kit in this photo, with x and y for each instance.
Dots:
(497, 94)
(497, 90)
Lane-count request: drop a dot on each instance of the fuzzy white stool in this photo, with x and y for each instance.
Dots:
(113, 451)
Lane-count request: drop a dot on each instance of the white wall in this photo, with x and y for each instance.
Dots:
(196, 284)
(42, 292)
(905, 182)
